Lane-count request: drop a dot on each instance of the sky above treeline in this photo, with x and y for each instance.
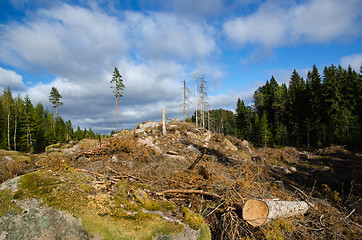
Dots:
(156, 44)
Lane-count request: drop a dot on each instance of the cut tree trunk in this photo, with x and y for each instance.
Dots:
(258, 212)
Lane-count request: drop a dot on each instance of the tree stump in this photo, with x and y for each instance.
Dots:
(258, 212)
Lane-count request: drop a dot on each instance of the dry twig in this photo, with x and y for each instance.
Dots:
(192, 191)
(96, 174)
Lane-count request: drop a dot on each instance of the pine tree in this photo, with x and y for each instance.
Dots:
(54, 99)
(118, 88)
(241, 123)
(60, 130)
(296, 107)
(315, 101)
(39, 131)
(69, 128)
(264, 130)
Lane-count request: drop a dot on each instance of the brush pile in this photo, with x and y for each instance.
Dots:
(214, 175)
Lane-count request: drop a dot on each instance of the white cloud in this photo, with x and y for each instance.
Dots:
(165, 35)
(355, 61)
(278, 23)
(64, 41)
(72, 41)
(79, 47)
(89, 102)
(10, 79)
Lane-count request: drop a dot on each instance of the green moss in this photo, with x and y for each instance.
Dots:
(144, 227)
(278, 229)
(168, 206)
(38, 184)
(126, 205)
(151, 205)
(64, 195)
(86, 188)
(6, 205)
(192, 219)
(116, 215)
(197, 222)
(148, 204)
(17, 156)
(124, 185)
(49, 148)
(205, 233)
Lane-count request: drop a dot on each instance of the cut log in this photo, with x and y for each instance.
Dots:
(257, 212)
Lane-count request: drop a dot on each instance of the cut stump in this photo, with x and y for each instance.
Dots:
(258, 212)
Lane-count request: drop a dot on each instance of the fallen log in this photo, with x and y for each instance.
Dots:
(258, 212)
(192, 191)
(126, 175)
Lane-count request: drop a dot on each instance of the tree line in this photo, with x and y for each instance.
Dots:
(26, 128)
(317, 111)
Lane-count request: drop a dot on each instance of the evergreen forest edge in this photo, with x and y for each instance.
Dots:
(317, 112)
(26, 128)
(314, 112)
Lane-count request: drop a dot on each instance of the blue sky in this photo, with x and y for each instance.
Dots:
(156, 44)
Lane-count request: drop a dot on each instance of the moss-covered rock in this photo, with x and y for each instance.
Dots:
(70, 203)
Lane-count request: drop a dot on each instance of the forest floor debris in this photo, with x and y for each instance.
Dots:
(225, 173)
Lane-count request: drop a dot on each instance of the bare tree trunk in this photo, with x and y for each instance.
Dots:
(117, 113)
(258, 212)
(56, 110)
(163, 122)
(9, 130)
(185, 100)
(196, 99)
(202, 91)
(15, 127)
(208, 117)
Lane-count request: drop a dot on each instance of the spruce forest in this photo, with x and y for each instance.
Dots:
(26, 128)
(314, 112)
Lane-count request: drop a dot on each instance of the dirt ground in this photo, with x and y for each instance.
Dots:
(214, 175)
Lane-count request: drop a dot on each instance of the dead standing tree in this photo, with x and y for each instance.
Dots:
(186, 99)
(196, 99)
(203, 99)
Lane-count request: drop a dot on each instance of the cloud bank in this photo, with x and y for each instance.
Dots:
(78, 45)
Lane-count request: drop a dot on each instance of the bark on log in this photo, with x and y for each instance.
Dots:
(257, 212)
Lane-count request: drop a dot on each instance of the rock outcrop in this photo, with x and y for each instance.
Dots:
(77, 205)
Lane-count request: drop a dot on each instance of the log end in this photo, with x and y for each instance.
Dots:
(255, 212)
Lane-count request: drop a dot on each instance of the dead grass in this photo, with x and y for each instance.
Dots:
(12, 164)
(234, 176)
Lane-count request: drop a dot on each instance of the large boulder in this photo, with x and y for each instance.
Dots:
(146, 126)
